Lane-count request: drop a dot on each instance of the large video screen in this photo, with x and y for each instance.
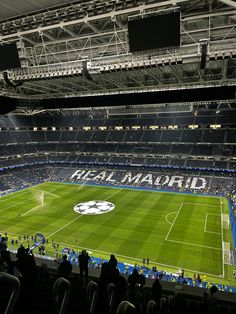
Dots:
(9, 57)
(154, 32)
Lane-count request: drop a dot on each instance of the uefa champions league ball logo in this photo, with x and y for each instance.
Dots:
(94, 207)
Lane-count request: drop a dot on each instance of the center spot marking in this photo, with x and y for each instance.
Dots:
(94, 207)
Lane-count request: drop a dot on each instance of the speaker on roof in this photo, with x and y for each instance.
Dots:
(9, 57)
(9, 83)
(203, 56)
(85, 71)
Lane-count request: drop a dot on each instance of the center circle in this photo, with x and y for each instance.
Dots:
(94, 207)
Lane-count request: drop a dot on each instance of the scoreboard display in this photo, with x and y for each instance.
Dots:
(159, 31)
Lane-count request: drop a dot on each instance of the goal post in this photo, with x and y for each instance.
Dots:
(228, 254)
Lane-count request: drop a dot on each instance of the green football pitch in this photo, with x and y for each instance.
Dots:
(173, 230)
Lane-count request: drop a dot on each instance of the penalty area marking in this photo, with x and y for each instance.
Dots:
(199, 204)
(194, 244)
(174, 221)
(166, 217)
(188, 243)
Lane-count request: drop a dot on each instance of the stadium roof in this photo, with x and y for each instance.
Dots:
(80, 48)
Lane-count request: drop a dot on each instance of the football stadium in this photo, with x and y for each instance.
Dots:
(117, 156)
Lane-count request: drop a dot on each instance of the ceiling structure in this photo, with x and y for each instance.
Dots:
(80, 48)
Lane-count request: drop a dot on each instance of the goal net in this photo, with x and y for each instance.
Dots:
(228, 255)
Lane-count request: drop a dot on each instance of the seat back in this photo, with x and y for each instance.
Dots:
(92, 293)
(111, 291)
(151, 307)
(125, 307)
(13, 283)
(61, 293)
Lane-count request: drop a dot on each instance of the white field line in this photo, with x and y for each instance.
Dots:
(51, 190)
(194, 244)
(80, 186)
(206, 224)
(168, 216)
(31, 198)
(187, 243)
(28, 211)
(9, 233)
(222, 237)
(69, 223)
(199, 204)
(173, 221)
(213, 232)
(15, 194)
(50, 193)
(135, 259)
(214, 214)
(116, 192)
(28, 199)
(124, 256)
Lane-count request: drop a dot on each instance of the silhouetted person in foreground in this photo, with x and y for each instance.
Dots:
(5, 258)
(156, 291)
(109, 274)
(136, 281)
(113, 261)
(210, 300)
(84, 259)
(135, 277)
(3, 244)
(65, 267)
(25, 269)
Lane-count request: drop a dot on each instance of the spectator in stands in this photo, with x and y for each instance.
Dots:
(113, 262)
(5, 259)
(20, 251)
(65, 267)
(3, 246)
(199, 280)
(210, 300)
(156, 291)
(136, 278)
(26, 265)
(110, 274)
(25, 269)
(136, 282)
(84, 259)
